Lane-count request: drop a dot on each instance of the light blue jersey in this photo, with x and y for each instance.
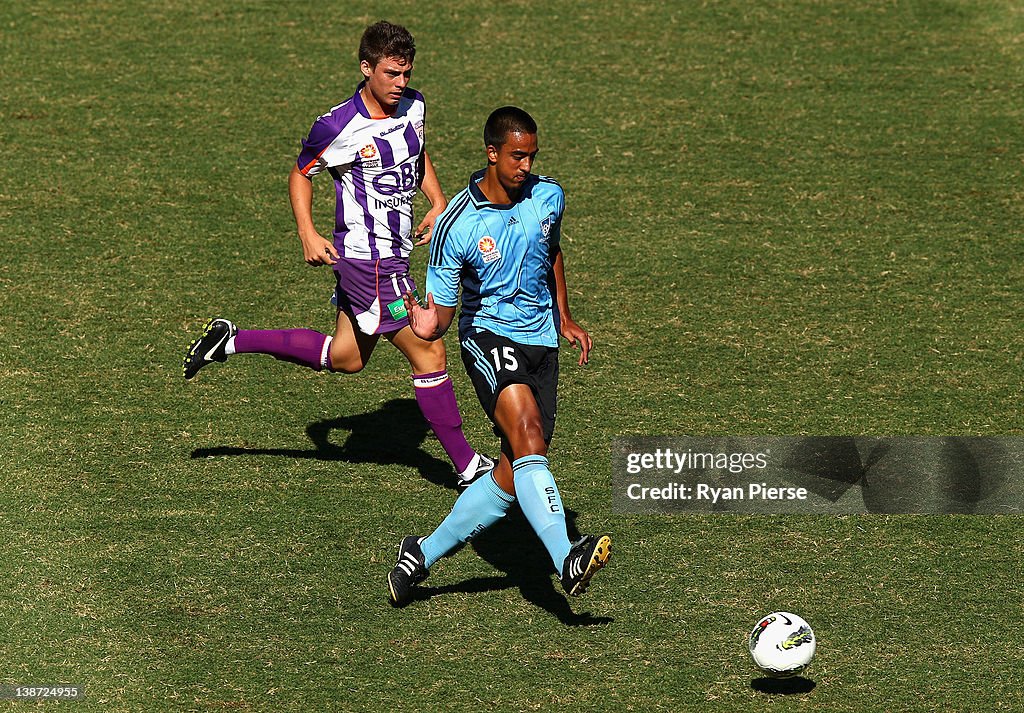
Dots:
(503, 256)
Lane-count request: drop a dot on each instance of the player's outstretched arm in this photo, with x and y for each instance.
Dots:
(576, 335)
(428, 322)
(316, 250)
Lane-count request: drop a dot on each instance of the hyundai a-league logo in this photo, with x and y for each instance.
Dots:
(488, 249)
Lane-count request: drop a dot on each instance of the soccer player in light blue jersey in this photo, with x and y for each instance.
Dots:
(499, 239)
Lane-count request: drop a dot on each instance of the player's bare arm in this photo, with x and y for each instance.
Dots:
(569, 329)
(428, 322)
(431, 187)
(316, 250)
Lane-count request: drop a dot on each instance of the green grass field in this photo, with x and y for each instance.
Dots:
(784, 218)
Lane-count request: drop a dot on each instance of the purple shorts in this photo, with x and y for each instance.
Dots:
(371, 290)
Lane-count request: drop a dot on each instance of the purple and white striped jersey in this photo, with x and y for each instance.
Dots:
(376, 168)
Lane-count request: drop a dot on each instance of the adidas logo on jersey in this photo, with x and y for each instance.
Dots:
(512, 221)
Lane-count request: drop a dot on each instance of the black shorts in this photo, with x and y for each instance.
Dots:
(493, 362)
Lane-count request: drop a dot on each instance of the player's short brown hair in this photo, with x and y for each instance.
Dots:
(382, 40)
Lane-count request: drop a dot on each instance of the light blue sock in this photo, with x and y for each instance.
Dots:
(482, 505)
(542, 505)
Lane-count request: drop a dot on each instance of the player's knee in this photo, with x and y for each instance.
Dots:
(427, 357)
(435, 355)
(346, 363)
(529, 438)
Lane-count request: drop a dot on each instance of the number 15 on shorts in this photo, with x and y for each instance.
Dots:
(505, 358)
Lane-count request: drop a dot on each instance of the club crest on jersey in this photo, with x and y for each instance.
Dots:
(488, 249)
(545, 227)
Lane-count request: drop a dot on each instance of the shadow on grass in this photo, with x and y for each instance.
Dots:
(783, 686)
(512, 547)
(951, 474)
(391, 435)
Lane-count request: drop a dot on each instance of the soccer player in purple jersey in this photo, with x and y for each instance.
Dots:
(372, 145)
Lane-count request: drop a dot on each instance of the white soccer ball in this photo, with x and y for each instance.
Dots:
(782, 644)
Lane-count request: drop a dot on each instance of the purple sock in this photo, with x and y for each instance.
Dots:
(436, 398)
(298, 346)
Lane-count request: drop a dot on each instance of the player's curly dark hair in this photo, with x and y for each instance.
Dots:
(504, 121)
(382, 40)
